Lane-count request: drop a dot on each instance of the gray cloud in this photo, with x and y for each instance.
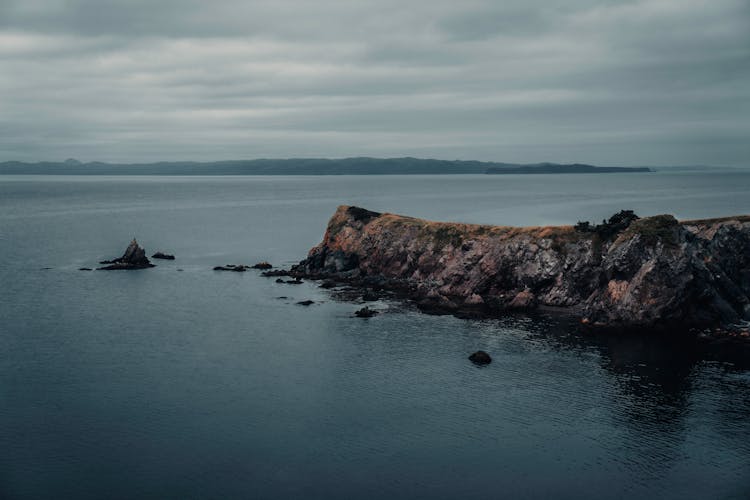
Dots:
(631, 82)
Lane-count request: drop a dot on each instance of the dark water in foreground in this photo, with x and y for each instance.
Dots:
(197, 384)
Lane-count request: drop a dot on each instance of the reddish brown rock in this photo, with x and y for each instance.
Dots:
(523, 300)
(644, 273)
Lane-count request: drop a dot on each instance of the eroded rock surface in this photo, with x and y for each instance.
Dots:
(649, 273)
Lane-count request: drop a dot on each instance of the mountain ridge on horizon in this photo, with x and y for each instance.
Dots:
(360, 165)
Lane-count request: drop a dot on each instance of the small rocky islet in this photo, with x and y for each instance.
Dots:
(133, 258)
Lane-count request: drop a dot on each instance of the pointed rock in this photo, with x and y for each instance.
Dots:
(133, 258)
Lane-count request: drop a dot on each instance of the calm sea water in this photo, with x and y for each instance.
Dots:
(198, 384)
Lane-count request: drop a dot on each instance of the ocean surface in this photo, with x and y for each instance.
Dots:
(183, 382)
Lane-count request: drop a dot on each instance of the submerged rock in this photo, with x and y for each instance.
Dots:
(275, 273)
(133, 258)
(306, 302)
(365, 312)
(164, 256)
(237, 268)
(480, 358)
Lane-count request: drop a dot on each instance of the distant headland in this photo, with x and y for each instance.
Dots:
(305, 166)
(626, 273)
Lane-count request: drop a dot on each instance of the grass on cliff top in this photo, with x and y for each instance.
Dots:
(454, 233)
(653, 229)
(701, 222)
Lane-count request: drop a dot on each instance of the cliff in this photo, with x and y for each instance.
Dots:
(653, 272)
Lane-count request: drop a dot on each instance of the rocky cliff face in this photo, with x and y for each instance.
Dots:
(655, 272)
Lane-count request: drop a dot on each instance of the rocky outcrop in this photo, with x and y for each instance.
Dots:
(365, 312)
(163, 256)
(237, 268)
(133, 258)
(653, 272)
(480, 358)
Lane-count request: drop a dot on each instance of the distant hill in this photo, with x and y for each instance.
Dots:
(553, 168)
(302, 166)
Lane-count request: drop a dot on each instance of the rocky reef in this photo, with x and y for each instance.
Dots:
(133, 258)
(635, 273)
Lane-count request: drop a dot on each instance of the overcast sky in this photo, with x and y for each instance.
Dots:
(654, 82)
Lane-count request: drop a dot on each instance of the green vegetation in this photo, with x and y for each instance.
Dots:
(609, 228)
(654, 229)
(445, 234)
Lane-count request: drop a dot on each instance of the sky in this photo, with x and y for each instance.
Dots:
(641, 82)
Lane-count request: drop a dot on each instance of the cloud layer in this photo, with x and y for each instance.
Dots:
(628, 82)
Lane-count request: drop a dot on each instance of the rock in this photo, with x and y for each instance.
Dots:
(327, 284)
(262, 265)
(133, 258)
(652, 273)
(480, 358)
(294, 282)
(275, 273)
(305, 302)
(523, 300)
(365, 312)
(370, 296)
(279, 280)
(164, 256)
(85, 269)
(237, 268)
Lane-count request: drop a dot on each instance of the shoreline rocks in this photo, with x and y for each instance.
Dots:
(630, 273)
(164, 256)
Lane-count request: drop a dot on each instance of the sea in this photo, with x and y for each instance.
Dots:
(184, 382)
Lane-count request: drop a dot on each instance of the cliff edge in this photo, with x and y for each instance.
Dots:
(654, 272)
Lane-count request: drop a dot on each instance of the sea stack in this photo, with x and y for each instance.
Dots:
(133, 258)
(628, 273)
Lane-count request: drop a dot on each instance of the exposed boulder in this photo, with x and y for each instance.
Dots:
(262, 265)
(133, 258)
(480, 358)
(523, 300)
(163, 256)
